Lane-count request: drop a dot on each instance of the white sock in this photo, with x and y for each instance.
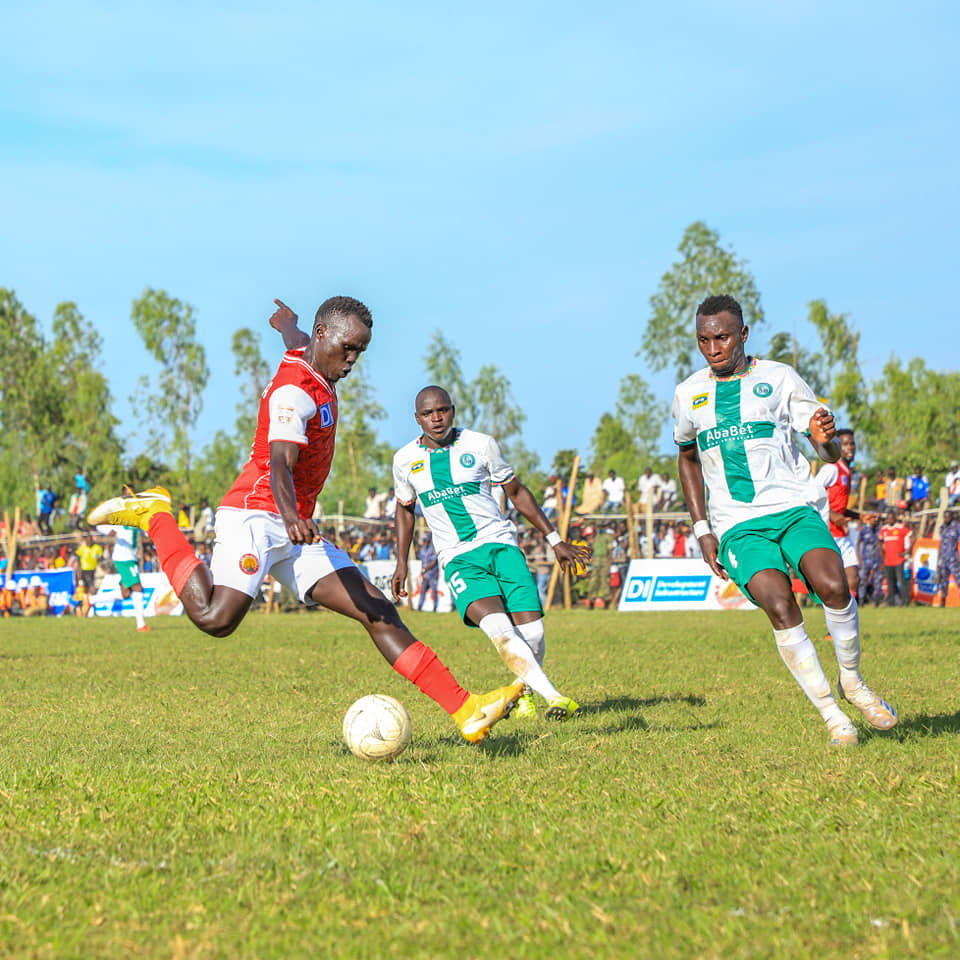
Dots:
(516, 654)
(844, 627)
(137, 598)
(797, 652)
(533, 634)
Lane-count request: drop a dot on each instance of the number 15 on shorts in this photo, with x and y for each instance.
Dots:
(457, 586)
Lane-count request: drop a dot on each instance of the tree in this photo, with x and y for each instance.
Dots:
(168, 330)
(254, 373)
(785, 348)
(914, 417)
(362, 460)
(626, 439)
(55, 410)
(88, 439)
(847, 387)
(485, 403)
(705, 268)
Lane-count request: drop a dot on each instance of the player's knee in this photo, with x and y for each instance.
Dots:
(216, 623)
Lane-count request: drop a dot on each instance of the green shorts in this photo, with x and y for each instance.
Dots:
(777, 541)
(129, 573)
(492, 570)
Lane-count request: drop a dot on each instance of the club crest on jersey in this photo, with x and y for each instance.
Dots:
(467, 460)
(700, 400)
(763, 389)
(285, 414)
(416, 467)
(249, 563)
(326, 415)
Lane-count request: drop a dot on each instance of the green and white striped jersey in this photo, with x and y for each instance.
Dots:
(453, 485)
(743, 427)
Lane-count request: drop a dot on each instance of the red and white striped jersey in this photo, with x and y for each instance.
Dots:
(298, 406)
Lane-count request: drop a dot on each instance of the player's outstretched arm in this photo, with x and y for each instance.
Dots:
(284, 321)
(568, 556)
(823, 432)
(403, 533)
(691, 479)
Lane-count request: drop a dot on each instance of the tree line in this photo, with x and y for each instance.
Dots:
(57, 419)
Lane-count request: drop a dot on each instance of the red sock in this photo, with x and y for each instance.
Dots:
(421, 666)
(174, 552)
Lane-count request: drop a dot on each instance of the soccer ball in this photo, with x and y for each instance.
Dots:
(377, 727)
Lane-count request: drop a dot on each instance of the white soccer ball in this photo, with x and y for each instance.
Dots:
(377, 727)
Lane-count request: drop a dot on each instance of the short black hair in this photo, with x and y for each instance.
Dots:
(843, 432)
(718, 304)
(343, 307)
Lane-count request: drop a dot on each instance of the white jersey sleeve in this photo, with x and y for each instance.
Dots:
(684, 429)
(798, 400)
(827, 475)
(406, 495)
(500, 471)
(291, 408)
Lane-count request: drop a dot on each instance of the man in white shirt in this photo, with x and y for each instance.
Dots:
(615, 489)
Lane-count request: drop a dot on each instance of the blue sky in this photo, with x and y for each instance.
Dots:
(518, 176)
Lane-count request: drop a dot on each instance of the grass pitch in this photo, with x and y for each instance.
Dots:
(172, 795)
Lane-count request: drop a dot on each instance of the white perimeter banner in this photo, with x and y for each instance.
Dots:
(679, 585)
(158, 597)
(380, 572)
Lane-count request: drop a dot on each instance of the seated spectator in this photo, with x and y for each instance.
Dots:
(918, 490)
(894, 491)
(648, 489)
(615, 489)
(668, 492)
(390, 504)
(593, 495)
(549, 504)
(373, 507)
(28, 529)
(952, 483)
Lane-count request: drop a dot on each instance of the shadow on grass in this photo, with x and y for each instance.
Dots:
(631, 719)
(923, 725)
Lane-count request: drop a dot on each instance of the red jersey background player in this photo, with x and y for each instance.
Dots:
(835, 479)
(264, 524)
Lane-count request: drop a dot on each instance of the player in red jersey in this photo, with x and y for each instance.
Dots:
(264, 523)
(835, 479)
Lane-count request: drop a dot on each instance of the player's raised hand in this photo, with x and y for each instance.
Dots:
(398, 582)
(710, 548)
(822, 426)
(572, 557)
(283, 317)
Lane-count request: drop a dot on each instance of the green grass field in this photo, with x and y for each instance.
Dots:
(172, 795)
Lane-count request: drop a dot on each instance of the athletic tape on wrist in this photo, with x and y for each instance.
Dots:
(701, 528)
(553, 538)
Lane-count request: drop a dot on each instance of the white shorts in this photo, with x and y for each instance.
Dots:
(847, 553)
(250, 544)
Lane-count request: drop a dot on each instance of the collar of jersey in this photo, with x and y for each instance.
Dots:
(296, 356)
(735, 376)
(456, 436)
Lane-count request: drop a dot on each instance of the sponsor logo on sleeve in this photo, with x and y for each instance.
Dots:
(326, 415)
(249, 563)
(700, 400)
(416, 466)
(285, 414)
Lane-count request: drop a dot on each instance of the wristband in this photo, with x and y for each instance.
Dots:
(701, 528)
(553, 538)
